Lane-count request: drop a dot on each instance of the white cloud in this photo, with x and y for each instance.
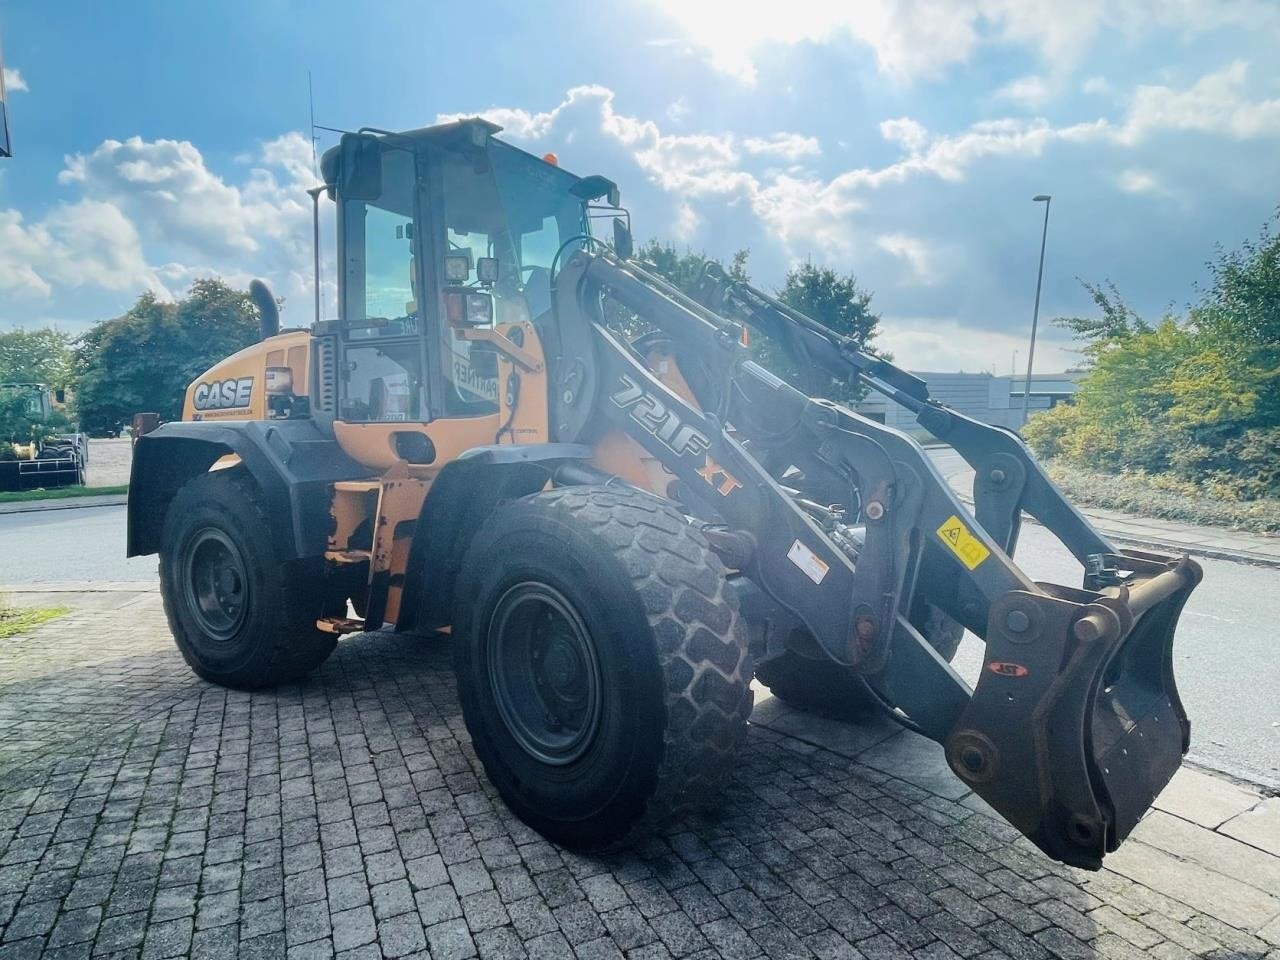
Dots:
(1138, 181)
(905, 132)
(914, 252)
(922, 39)
(678, 110)
(804, 212)
(89, 243)
(13, 82)
(1217, 104)
(788, 146)
(1095, 85)
(687, 223)
(160, 196)
(1029, 91)
(944, 343)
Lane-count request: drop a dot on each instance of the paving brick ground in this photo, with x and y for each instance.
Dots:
(144, 813)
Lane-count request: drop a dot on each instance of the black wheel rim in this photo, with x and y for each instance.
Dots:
(543, 673)
(215, 583)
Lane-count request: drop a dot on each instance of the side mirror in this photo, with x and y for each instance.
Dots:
(360, 169)
(622, 243)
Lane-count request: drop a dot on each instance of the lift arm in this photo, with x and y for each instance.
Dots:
(1074, 724)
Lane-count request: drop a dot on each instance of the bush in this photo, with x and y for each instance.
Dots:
(1191, 400)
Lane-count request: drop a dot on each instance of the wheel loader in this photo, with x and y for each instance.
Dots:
(515, 433)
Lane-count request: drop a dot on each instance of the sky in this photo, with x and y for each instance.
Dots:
(897, 140)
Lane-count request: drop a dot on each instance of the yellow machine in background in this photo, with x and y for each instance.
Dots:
(51, 452)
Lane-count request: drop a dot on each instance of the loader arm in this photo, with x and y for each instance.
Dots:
(1075, 723)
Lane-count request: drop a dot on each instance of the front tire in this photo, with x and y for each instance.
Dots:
(241, 615)
(601, 662)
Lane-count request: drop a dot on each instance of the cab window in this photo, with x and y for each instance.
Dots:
(382, 363)
(382, 298)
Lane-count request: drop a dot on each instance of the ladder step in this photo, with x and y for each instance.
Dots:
(348, 556)
(339, 625)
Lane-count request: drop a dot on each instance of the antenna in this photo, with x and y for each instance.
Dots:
(315, 195)
(311, 102)
(6, 149)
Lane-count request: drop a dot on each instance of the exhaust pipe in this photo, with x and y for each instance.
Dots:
(268, 311)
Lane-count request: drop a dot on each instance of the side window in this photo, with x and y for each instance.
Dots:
(389, 272)
(382, 290)
(381, 374)
(383, 383)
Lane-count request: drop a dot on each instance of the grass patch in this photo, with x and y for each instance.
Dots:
(59, 493)
(1169, 498)
(16, 620)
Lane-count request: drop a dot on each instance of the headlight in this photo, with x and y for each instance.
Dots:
(468, 308)
(457, 267)
(279, 380)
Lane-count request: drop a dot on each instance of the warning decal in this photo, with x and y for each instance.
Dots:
(962, 543)
(809, 562)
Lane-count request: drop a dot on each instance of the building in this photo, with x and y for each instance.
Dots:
(991, 399)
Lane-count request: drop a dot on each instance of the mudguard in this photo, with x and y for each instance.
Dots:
(292, 461)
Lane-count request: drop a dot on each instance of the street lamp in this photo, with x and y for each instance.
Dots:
(1035, 315)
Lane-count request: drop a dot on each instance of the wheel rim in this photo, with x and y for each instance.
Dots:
(543, 673)
(215, 583)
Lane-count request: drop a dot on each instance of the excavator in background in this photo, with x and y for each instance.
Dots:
(514, 431)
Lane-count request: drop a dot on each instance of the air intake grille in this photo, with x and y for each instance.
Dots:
(326, 397)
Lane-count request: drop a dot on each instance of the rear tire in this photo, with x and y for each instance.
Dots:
(241, 615)
(838, 692)
(601, 662)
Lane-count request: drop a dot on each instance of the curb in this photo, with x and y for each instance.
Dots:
(65, 503)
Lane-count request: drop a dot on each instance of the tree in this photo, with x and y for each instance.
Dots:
(1117, 322)
(685, 269)
(144, 360)
(682, 270)
(42, 355)
(839, 304)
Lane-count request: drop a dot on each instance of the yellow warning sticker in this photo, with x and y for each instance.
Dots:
(962, 543)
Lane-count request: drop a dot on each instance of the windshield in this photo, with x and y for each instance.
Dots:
(518, 210)
(541, 215)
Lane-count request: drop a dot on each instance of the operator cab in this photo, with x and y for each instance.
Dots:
(446, 238)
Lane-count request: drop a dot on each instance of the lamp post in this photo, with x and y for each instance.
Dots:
(1035, 315)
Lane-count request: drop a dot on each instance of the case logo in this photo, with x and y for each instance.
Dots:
(223, 394)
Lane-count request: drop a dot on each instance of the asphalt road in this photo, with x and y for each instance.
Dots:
(86, 543)
(1226, 656)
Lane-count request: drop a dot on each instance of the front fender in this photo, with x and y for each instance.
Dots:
(293, 462)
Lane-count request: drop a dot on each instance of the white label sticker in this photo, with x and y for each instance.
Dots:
(810, 564)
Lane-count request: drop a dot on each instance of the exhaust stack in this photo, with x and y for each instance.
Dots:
(268, 311)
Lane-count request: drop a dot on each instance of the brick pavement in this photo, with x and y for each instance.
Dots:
(144, 813)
